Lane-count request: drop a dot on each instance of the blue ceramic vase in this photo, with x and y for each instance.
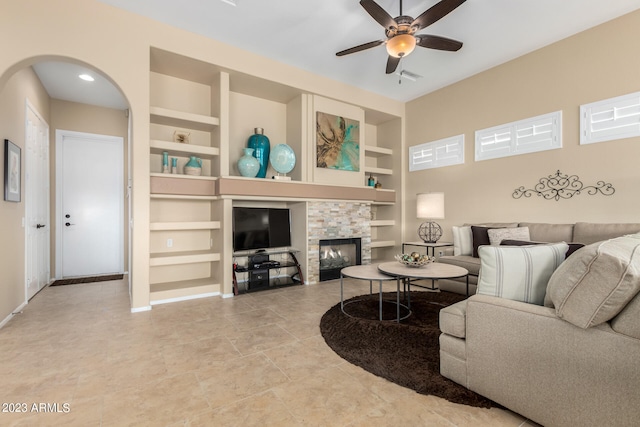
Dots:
(193, 166)
(247, 164)
(260, 144)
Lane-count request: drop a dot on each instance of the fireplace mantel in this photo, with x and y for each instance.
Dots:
(239, 188)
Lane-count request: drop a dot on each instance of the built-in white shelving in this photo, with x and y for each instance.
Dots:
(382, 222)
(383, 243)
(373, 151)
(190, 253)
(377, 171)
(168, 117)
(176, 258)
(178, 149)
(185, 225)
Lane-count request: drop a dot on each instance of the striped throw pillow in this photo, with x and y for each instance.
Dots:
(519, 273)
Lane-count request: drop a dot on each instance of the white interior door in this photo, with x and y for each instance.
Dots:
(90, 208)
(37, 227)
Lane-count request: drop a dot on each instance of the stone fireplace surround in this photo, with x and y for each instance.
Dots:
(336, 220)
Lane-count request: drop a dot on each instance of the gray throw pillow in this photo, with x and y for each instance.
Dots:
(597, 282)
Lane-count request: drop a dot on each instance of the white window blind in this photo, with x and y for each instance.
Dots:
(525, 136)
(613, 118)
(436, 154)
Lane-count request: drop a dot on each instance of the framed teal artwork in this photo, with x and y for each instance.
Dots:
(337, 142)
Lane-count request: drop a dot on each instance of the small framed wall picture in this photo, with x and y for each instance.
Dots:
(181, 136)
(12, 171)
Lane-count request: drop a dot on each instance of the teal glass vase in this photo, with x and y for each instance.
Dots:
(248, 165)
(261, 150)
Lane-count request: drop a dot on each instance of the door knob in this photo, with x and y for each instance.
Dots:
(68, 224)
(40, 225)
(67, 216)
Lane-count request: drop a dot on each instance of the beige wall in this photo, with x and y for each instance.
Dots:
(76, 117)
(21, 86)
(597, 64)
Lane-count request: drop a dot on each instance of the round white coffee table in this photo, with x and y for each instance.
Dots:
(372, 273)
(432, 270)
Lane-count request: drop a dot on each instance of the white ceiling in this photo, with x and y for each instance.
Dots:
(307, 34)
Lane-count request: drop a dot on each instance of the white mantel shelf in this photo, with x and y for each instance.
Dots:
(256, 188)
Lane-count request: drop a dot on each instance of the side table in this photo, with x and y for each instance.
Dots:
(433, 246)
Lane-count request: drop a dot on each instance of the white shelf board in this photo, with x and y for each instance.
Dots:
(183, 290)
(165, 116)
(382, 222)
(373, 151)
(183, 197)
(183, 176)
(377, 171)
(177, 258)
(186, 225)
(382, 243)
(184, 150)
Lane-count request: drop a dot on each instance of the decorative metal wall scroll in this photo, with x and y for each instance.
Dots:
(559, 186)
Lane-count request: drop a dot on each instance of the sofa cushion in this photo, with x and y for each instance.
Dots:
(480, 237)
(541, 232)
(497, 235)
(453, 319)
(572, 246)
(587, 233)
(462, 240)
(628, 321)
(465, 261)
(519, 273)
(597, 282)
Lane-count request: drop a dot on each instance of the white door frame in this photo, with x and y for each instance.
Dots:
(60, 134)
(29, 107)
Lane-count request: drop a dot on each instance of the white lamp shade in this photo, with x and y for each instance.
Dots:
(430, 205)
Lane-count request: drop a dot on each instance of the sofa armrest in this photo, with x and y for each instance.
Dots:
(519, 306)
(580, 377)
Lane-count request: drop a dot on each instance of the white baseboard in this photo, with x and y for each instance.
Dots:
(227, 295)
(10, 316)
(185, 298)
(141, 309)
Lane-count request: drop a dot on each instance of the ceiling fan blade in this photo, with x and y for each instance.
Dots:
(437, 42)
(392, 64)
(435, 13)
(360, 47)
(379, 14)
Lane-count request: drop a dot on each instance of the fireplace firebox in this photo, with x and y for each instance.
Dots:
(336, 254)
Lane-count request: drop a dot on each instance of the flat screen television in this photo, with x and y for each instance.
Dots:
(260, 228)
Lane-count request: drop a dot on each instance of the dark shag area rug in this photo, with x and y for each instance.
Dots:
(406, 353)
(77, 280)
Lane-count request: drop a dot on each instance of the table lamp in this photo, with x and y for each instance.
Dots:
(430, 206)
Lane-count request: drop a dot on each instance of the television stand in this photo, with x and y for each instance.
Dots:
(259, 269)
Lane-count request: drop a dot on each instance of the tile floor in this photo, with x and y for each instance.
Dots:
(253, 360)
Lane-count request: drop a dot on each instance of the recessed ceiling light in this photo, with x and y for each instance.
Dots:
(86, 77)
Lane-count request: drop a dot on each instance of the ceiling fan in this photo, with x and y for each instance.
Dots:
(401, 31)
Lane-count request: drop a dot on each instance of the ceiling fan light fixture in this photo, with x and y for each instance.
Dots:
(401, 45)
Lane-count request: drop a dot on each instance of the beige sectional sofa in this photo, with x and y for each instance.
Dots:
(581, 232)
(574, 361)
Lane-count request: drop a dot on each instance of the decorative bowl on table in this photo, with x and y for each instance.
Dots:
(413, 259)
